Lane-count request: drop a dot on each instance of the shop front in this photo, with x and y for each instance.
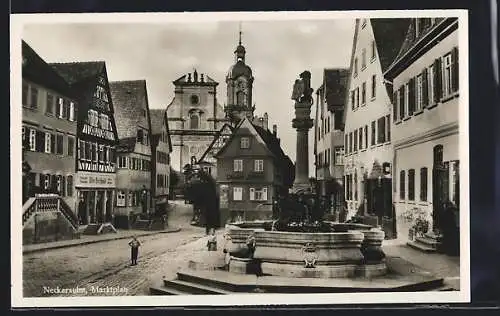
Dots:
(96, 195)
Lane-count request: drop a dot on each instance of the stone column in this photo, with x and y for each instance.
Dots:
(302, 123)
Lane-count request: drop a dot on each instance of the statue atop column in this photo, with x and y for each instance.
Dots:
(302, 91)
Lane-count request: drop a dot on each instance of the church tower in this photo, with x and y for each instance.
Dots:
(239, 82)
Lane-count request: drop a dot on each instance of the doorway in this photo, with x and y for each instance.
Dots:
(440, 176)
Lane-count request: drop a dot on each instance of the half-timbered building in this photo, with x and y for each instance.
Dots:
(95, 180)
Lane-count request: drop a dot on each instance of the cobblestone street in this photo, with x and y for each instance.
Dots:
(107, 264)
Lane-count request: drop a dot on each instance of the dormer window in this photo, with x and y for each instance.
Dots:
(140, 135)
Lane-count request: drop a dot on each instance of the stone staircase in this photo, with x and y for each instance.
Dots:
(429, 243)
(216, 282)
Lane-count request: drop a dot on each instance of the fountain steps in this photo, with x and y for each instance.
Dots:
(190, 282)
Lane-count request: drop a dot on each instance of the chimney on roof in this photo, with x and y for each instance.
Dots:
(275, 130)
(266, 121)
(195, 75)
(189, 77)
(201, 78)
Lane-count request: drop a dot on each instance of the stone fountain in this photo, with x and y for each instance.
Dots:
(297, 252)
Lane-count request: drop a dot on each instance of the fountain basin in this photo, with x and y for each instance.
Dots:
(350, 250)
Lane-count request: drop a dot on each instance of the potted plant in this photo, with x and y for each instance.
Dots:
(417, 218)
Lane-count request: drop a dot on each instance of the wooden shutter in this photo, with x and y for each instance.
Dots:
(454, 69)
(53, 183)
(395, 106)
(402, 102)
(438, 80)
(411, 96)
(425, 91)
(264, 194)
(252, 194)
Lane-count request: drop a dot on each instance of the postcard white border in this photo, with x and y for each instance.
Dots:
(18, 21)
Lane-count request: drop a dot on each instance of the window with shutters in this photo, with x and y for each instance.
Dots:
(69, 185)
(49, 106)
(34, 97)
(447, 75)
(357, 97)
(46, 181)
(48, 138)
(366, 136)
(402, 106)
(423, 184)
(238, 165)
(407, 100)
(360, 139)
(355, 140)
(346, 142)
(402, 185)
(374, 86)
(363, 93)
(237, 193)
(373, 133)
(381, 130)
(419, 94)
(411, 185)
(32, 139)
(60, 144)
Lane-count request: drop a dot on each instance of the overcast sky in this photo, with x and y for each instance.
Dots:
(277, 51)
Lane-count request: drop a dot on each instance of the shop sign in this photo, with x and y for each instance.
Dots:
(95, 180)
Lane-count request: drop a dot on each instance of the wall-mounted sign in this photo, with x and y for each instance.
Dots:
(85, 165)
(90, 180)
(98, 132)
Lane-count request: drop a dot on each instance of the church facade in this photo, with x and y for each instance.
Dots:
(194, 117)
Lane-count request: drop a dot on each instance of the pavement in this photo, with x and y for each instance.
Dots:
(91, 239)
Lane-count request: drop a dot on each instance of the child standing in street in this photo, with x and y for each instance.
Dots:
(134, 247)
(212, 242)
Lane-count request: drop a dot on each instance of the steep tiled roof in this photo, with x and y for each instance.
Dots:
(389, 36)
(335, 84)
(272, 142)
(411, 37)
(78, 71)
(126, 145)
(38, 71)
(129, 100)
(157, 116)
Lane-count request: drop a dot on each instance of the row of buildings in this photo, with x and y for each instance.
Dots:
(386, 132)
(94, 143)
(235, 146)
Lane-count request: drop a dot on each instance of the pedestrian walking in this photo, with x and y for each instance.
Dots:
(134, 248)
